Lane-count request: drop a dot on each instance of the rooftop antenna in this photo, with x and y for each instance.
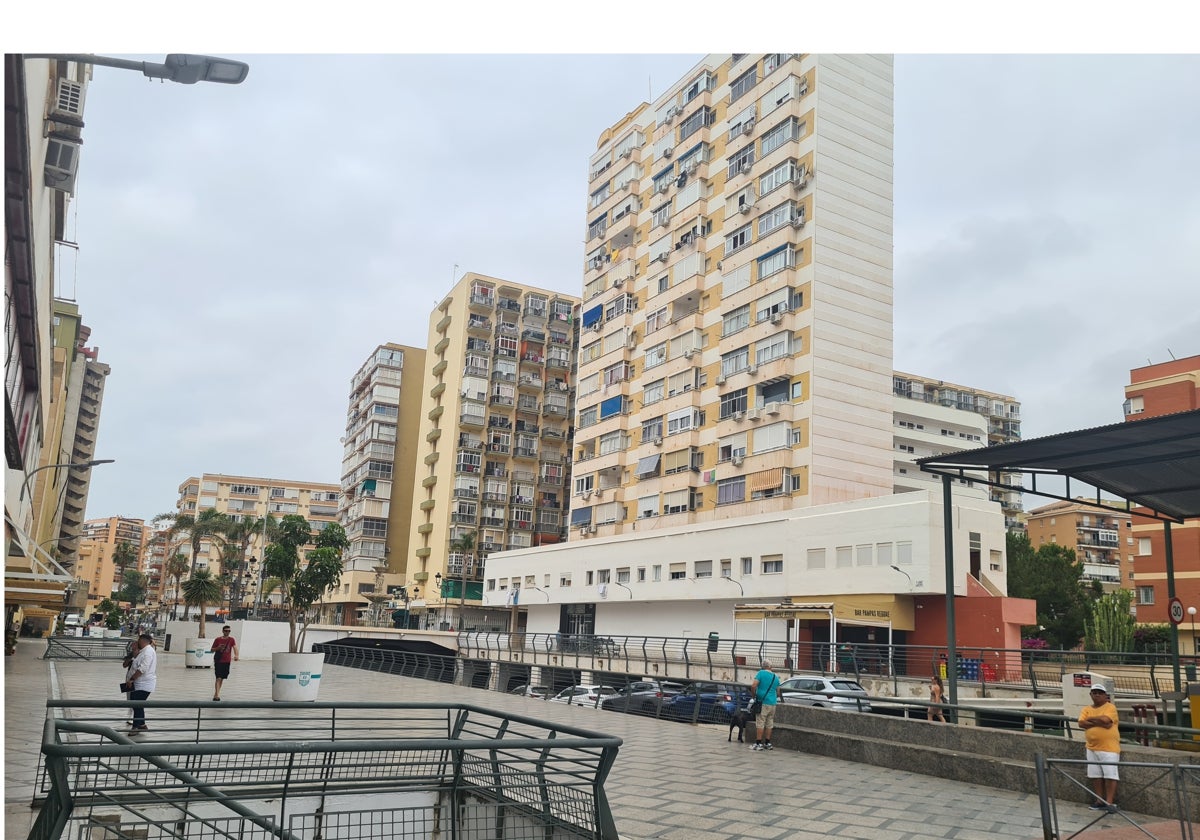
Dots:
(453, 274)
(1172, 355)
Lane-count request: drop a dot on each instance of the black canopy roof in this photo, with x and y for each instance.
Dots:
(1153, 462)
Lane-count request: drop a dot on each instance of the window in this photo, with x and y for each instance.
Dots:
(677, 501)
(641, 574)
(731, 446)
(786, 131)
(681, 382)
(737, 240)
(614, 442)
(602, 576)
(702, 118)
(683, 420)
(743, 84)
(782, 174)
(1143, 546)
(736, 320)
(735, 361)
(731, 490)
(584, 483)
(656, 572)
(647, 466)
(776, 218)
(775, 261)
(661, 215)
(652, 429)
(681, 460)
(773, 347)
(653, 392)
(678, 571)
(1145, 594)
(843, 557)
(703, 569)
(623, 575)
(774, 436)
(816, 558)
(655, 356)
(647, 508)
(564, 578)
(772, 564)
(656, 320)
(747, 566)
(740, 161)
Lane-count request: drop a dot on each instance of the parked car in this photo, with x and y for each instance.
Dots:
(541, 692)
(644, 697)
(825, 692)
(707, 702)
(583, 695)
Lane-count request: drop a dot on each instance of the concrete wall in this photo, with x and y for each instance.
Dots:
(992, 757)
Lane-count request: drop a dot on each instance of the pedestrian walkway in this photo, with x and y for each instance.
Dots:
(670, 781)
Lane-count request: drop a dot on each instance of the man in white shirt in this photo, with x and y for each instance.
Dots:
(143, 680)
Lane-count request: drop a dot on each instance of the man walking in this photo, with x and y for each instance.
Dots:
(763, 689)
(143, 680)
(225, 653)
(1103, 739)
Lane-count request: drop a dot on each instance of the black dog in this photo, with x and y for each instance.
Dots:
(738, 721)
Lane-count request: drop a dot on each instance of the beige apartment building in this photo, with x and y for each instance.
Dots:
(379, 459)
(736, 348)
(1102, 540)
(495, 438)
(95, 560)
(253, 498)
(933, 417)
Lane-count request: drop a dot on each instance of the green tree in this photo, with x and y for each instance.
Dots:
(1051, 576)
(465, 544)
(201, 589)
(133, 588)
(303, 580)
(175, 568)
(1110, 626)
(112, 613)
(124, 556)
(210, 525)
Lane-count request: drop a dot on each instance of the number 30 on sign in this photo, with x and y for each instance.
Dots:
(1175, 611)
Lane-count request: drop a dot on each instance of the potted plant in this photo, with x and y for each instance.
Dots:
(112, 618)
(303, 580)
(201, 589)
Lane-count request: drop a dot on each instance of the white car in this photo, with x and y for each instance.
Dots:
(583, 695)
(834, 693)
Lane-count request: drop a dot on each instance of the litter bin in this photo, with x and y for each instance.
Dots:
(1189, 673)
(713, 639)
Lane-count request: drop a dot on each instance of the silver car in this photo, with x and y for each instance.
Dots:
(834, 693)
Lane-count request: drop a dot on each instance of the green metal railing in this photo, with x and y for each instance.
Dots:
(302, 770)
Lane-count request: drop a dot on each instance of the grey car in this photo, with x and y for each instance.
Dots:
(834, 693)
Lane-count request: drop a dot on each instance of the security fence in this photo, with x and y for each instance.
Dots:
(301, 771)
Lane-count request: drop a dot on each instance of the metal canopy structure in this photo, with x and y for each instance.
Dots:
(1154, 463)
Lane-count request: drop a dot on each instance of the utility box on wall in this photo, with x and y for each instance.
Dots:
(1076, 688)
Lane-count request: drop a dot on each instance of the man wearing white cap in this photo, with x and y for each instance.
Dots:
(1099, 724)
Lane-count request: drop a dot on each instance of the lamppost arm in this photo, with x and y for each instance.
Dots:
(177, 67)
(81, 466)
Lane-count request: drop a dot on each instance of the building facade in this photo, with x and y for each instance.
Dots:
(933, 417)
(1102, 540)
(97, 545)
(495, 438)
(737, 312)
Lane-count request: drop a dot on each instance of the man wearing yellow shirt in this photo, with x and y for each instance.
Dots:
(1099, 724)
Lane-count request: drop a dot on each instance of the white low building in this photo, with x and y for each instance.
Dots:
(869, 562)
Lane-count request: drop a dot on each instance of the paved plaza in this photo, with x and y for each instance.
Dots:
(670, 781)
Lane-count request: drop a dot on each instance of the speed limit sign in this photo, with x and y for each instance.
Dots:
(1175, 611)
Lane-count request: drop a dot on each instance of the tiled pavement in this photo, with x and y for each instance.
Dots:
(670, 781)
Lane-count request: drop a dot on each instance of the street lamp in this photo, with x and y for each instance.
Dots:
(437, 579)
(906, 574)
(1191, 611)
(177, 67)
(84, 465)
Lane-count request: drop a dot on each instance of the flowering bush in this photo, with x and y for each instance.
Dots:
(1034, 644)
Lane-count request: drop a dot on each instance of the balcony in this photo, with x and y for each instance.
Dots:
(534, 312)
(520, 525)
(440, 368)
(466, 493)
(485, 302)
(470, 370)
(498, 448)
(527, 404)
(531, 382)
(508, 305)
(499, 423)
(476, 324)
(506, 328)
(524, 452)
(501, 401)
(471, 419)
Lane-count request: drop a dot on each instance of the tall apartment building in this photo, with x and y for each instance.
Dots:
(1154, 390)
(933, 417)
(495, 434)
(737, 318)
(97, 544)
(1101, 539)
(252, 498)
(379, 460)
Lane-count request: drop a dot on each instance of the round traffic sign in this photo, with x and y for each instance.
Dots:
(1175, 611)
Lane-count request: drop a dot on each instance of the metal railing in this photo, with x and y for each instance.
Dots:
(304, 770)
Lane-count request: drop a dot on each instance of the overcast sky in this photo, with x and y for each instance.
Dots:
(243, 249)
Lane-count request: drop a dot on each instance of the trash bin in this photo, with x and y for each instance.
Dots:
(1189, 673)
(1193, 693)
(713, 639)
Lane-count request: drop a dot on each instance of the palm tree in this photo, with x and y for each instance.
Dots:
(241, 532)
(124, 555)
(211, 524)
(176, 567)
(201, 589)
(466, 545)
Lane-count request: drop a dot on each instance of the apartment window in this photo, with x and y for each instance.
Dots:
(589, 578)
(782, 174)
(843, 557)
(589, 416)
(747, 566)
(677, 501)
(598, 227)
(773, 347)
(661, 215)
(655, 356)
(652, 393)
(735, 361)
(816, 558)
(703, 568)
(584, 484)
(736, 320)
(785, 132)
(743, 84)
(737, 240)
(641, 574)
(683, 420)
(1145, 595)
(733, 401)
(647, 507)
(603, 576)
(774, 436)
(776, 218)
(775, 261)
(731, 490)
(702, 118)
(733, 446)
(656, 573)
(678, 571)
(656, 320)
(1143, 546)
(772, 564)
(740, 161)
(652, 429)
(614, 442)
(564, 578)
(623, 575)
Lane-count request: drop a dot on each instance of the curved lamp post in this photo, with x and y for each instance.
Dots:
(1191, 611)
(84, 465)
(177, 67)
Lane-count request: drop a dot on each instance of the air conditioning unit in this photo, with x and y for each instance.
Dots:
(661, 257)
(744, 166)
(721, 379)
(738, 415)
(773, 411)
(737, 460)
(746, 208)
(777, 318)
(587, 494)
(752, 414)
(657, 441)
(619, 282)
(627, 153)
(753, 369)
(68, 102)
(747, 126)
(798, 221)
(687, 354)
(667, 152)
(803, 89)
(62, 164)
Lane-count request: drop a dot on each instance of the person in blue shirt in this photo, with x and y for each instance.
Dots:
(765, 689)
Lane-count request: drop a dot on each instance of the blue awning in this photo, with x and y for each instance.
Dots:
(581, 516)
(593, 315)
(611, 406)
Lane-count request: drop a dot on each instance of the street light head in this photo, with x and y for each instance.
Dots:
(897, 568)
(189, 69)
(1191, 611)
(94, 463)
